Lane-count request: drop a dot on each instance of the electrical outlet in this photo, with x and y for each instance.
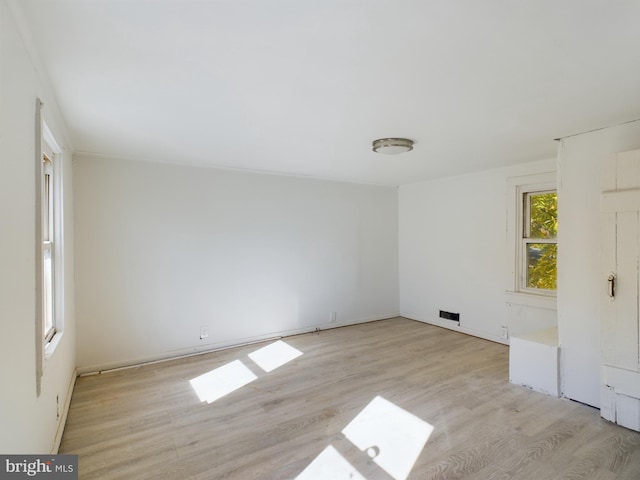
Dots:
(204, 332)
(505, 332)
(332, 317)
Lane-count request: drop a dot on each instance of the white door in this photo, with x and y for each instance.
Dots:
(620, 256)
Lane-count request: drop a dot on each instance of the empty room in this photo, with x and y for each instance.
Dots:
(335, 240)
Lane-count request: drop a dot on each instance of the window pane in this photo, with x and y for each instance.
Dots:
(47, 222)
(47, 291)
(541, 265)
(543, 215)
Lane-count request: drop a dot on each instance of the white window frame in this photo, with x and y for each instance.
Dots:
(524, 197)
(52, 241)
(49, 243)
(517, 290)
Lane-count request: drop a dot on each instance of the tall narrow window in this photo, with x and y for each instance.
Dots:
(48, 249)
(532, 230)
(49, 245)
(539, 246)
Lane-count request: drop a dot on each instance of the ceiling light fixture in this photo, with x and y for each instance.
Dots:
(392, 145)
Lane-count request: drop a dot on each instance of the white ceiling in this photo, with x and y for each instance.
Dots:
(304, 86)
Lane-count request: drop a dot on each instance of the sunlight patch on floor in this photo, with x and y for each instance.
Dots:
(217, 383)
(275, 355)
(330, 465)
(391, 436)
(223, 380)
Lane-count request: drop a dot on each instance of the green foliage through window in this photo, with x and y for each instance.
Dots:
(541, 265)
(543, 224)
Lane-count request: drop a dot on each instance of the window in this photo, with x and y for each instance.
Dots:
(532, 227)
(50, 213)
(48, 249)
(539, 246)
(49, 245)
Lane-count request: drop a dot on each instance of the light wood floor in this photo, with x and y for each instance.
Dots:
(147, 422)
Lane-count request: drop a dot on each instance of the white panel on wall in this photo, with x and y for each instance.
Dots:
(534, 361)
(579, 279)
(162, 250)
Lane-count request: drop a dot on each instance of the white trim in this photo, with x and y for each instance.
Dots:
(52, 344)
(620, 201)
(515, 294)
(449, 325)
(62, 421)
(517, 186)
(523, 197)
(625, 382)
(214, 347)
(38, 187)
(51, 147)
(545, 302)
(49, 140)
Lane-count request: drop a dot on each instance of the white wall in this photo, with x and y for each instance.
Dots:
(579, 279)
(164, 249)
(28, 422)
(453, 254)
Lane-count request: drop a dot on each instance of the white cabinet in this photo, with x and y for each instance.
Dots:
(534, 361)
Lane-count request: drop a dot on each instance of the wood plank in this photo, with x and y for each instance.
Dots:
(147, 422)
(625, 382)
(620, 201)
(628, 232)
(608, 261)
(622, 329)
(628, 170)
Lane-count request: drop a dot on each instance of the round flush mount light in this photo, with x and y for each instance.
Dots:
(392, 146)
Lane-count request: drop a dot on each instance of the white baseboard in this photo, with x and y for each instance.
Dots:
(213, 347)
(62, 421)
(453, 326)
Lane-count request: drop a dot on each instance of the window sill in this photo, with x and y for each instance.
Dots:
(531, 300)
(52, 345)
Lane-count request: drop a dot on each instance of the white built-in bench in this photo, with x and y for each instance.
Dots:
(534, 361)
